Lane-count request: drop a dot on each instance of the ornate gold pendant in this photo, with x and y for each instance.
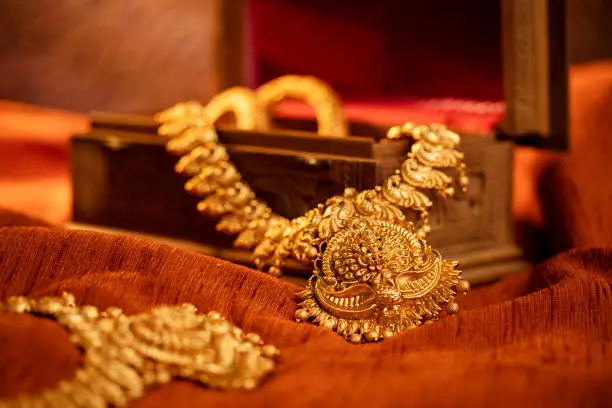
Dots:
(374, 276)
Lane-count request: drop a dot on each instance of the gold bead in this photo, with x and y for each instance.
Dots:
(114, 311)
(214, 315)
(163, 376)
(301, 315)
(249, 384)
(18, 304)
(394, 132)
(275, 271)
(220, 328)
(254, 338)
(49, 305)
(89, 312)
(68, 299)
(463, 286)
(329, 324)
(452, 308)
(408, 127)
(237, 332)
(388, 333)
(269, 351)
(312, 252)
(189, 307)
(149, 377)
(355, 338)
(372, 335)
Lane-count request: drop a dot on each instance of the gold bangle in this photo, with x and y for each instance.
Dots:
(374, 274)
(125, 355)
(313, 91)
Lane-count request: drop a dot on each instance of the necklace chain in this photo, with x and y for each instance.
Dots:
(189, 129)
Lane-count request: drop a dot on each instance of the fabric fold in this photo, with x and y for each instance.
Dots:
(538, 338)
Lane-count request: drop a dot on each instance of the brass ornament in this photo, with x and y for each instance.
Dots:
(124, 356)
(374, 274)
(313, 91)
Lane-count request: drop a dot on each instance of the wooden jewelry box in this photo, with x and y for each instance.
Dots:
(451, 72)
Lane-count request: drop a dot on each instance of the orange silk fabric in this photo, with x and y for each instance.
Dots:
(536, 339)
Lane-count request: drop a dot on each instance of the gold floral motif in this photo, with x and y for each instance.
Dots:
(126, 355)
(376, 278)
(374, 275)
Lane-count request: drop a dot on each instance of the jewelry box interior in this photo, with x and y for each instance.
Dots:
(388, 60)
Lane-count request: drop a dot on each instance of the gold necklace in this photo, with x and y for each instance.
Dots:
(374, 274)
(125, 355)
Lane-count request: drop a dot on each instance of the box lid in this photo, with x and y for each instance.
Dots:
(534, 34)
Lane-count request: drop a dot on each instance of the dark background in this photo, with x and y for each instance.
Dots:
(143, 56)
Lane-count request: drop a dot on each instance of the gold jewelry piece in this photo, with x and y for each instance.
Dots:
(374, 274)
(316, 93)
(125, 355)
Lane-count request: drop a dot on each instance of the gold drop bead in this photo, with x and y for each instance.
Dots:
(163, 376)
(463, 286)
(394, 132)
(89, 312)
(249, 384)
(312, 252)
(408, 127)
(221, 328)
(254, 338)
(49, 305)
(372, 335)
(68, 299)
(149, 377)
(214, 315)
(113, 311)
(189, 307)
(301, 315)
(452, 308)
(18, 304)
(269, 350)
(275, 271)
(388, 333)
(329, 324)
(355, 338)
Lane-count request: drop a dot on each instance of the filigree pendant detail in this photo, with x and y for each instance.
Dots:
(374, 278)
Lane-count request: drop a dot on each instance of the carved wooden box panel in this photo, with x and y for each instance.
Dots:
(124, 179)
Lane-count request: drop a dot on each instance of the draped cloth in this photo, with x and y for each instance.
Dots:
(540, 338)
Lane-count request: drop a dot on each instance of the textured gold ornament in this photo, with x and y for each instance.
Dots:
(374, 274)
(126, 355)
(313, 91)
